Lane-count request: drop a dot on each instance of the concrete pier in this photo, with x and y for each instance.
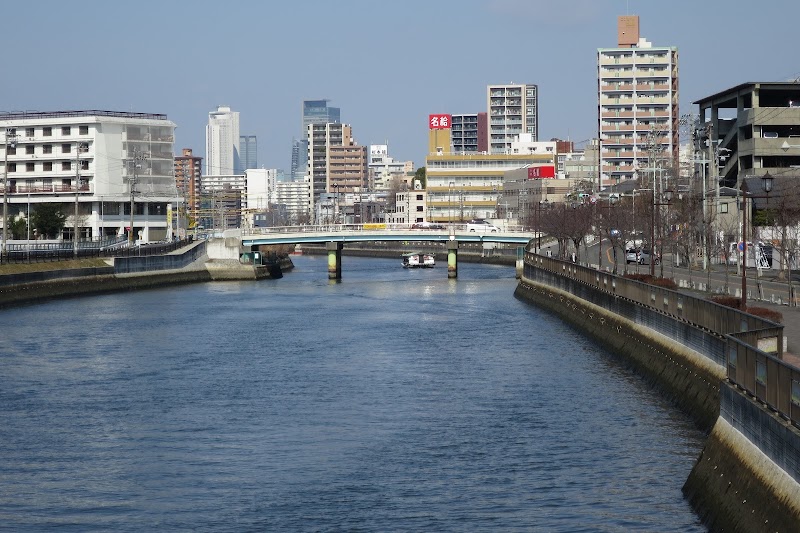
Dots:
(334, 260)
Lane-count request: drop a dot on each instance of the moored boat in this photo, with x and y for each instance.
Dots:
(418, 260)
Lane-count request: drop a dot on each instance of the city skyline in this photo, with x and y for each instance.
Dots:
(414, 55)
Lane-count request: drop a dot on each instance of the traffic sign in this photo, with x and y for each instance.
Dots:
(740, 246)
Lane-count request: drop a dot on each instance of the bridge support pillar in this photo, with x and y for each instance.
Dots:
(520, 266)
(334, 260)
(452, 259)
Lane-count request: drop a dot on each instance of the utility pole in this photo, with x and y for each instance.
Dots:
(78, 147)
(135, 163)
(10, 140)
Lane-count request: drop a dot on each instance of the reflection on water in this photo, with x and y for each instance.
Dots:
(394, 400)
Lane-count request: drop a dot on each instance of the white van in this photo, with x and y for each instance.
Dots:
(480, 225)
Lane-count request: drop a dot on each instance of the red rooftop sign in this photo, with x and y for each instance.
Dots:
(439, 122)
(541, 172)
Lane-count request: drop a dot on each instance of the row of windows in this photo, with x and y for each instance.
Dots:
(66, 148)
(47, 166)
(47, 131)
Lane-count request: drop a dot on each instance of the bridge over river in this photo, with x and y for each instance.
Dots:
(335, 235)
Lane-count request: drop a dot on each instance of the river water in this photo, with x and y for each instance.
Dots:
(394, 400)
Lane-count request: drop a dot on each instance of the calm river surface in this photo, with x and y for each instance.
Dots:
(396, 400)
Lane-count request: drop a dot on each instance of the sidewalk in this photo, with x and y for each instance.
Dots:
(774, 290)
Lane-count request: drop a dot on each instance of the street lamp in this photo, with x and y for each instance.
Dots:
(767, 182)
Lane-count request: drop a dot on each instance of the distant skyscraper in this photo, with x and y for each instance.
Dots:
(638, 105)
(318, 112)
(513, 109)
(248, 153)
(222, 142)
(314, 112)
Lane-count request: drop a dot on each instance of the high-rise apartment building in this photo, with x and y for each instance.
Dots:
(335, 161)
(248, 153)
(222, 142)
(513, 109)
(638, 106)
(469, 133)
(314, 112)
(188, 171)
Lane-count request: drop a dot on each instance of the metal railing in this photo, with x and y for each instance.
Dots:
(753, 346)
(65, 251)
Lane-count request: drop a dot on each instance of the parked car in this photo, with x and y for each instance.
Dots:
(427, 225)
(631, 255)
(480, 225)
(643, 257)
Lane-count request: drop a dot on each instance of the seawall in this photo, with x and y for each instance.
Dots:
(32, 287)
(734, 486)
(690, 380)
(748, 475)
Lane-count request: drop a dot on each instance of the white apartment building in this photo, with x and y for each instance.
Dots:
(222, 142)
(638, 106)
(106, 160)
(296, 199)
(410, 207)
(382, 167)
(513, 110)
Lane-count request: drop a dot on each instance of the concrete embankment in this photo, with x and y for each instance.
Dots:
(690, 380)
(86, 285)
(82, 282)
(735, 487)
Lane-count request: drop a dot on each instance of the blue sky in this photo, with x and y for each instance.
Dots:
(387, 65)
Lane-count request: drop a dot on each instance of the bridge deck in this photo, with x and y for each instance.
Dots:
(383, 232)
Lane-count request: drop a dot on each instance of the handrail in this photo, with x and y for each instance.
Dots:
(753, 359)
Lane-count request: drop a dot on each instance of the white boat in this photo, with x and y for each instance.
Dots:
(418, 260)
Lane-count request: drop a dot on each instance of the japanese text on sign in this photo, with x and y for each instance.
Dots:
(439, 122)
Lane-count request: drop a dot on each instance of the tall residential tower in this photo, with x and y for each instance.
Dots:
(314, 112)
(638, 106)
(513, 109)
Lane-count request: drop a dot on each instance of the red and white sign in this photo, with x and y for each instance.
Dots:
(439, 122)
(541, 172)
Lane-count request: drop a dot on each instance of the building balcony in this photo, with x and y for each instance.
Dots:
(617, 87)
(644, 87)
(41, 189)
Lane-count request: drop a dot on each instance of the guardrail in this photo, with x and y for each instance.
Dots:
(753, 345)
(53, 252)
(329, 228)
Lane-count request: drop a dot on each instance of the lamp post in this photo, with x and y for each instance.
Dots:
(767, 182)
(10, 141)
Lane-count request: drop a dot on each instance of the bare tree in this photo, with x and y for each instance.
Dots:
(781, 216)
